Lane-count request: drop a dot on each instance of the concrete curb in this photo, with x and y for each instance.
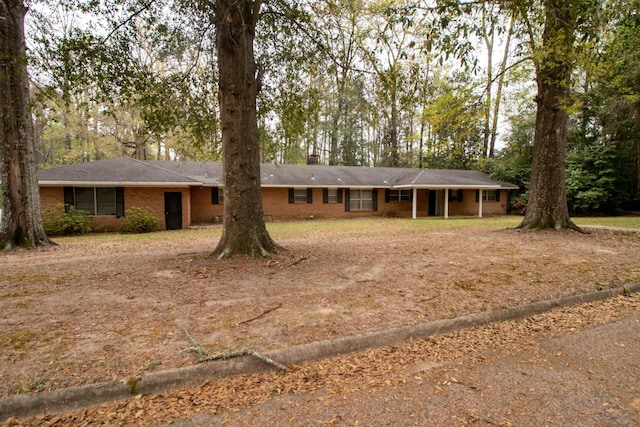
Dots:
(62, 400)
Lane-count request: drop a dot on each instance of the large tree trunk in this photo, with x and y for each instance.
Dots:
(21, 218)
(547, 208)
(637, 116)
(244, 230)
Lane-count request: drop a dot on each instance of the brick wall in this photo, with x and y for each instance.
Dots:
(197, 207)
(469, 206)
(203, 210)
(276, 204)
(151, 197)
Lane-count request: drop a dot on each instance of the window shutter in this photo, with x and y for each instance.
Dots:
(477, 196)
(339, 195)
(119, 202)
(291, 195)
(325, 195)
(460, 193)
(450, 194)
(386, 195)
(309, 195)
(215, 196)
(374, 197)
(347, 200)
(68, 198)
(497, 195)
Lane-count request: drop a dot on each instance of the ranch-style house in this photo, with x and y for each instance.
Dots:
(190, 193)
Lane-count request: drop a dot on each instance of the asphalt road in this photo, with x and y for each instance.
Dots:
(589, 377)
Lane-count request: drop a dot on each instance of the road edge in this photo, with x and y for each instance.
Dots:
(77, 398)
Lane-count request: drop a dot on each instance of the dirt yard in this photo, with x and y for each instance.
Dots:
(109, 307)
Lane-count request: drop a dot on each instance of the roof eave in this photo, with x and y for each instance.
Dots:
(447, 186)
(116, 184)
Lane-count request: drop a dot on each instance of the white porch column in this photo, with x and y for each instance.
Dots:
(446, 203)
(414, 205)
(480, 203)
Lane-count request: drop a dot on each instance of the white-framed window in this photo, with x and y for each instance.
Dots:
(299, 195)
(361, 200)
(332, 195)
(489, 196)
(400, 195)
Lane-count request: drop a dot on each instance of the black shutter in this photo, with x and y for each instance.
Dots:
(347, 200)
(119, 202)
(68, 198)
(386, 195)
(325, 195)
(497, 195)
(477, 196)
(292, 195)
(309, 195)
(215, 196)
(450, 194)
(374, 196)
(339, 195)
(460, 192)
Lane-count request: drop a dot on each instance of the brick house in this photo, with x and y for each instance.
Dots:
(186, 193)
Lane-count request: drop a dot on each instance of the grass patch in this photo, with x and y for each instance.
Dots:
(353, 227)
(610, 221)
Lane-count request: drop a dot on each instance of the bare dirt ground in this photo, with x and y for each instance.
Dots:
(103, 308)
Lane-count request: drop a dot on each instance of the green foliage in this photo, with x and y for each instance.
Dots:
(594, 182)
(60, 221)
(513, 163)
(139, 220)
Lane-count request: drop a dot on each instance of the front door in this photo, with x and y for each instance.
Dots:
(433, 202)
(173, 210)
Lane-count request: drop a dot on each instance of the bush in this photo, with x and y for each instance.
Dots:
(57, 222)
(139, 220)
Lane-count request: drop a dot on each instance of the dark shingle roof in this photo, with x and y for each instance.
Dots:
(121, 170)
(127, 171)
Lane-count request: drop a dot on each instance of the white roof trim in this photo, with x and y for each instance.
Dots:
(357, 187)
(116, 184)
(452, 187)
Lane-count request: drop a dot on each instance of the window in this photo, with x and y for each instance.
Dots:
(106, 201)
(398, 195)
(85, 200)
(332, 195)
(217, 196)
(455, 195)
(489, 195)
(300, 195)
(99, 201)
(361, 200)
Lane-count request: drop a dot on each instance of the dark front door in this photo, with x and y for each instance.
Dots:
(173, 210)
(432, 202)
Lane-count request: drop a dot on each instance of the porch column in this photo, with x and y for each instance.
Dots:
(446, 203)
(414, 205)
(480, 203)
